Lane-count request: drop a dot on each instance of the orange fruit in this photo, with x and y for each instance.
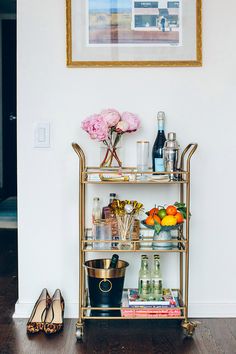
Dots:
(153, 211)
(150, 220)
(171, 210)
(179, 217)
(157, 219)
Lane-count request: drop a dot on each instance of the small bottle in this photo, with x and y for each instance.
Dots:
(96, 212)
(114, 261)
(157, 150)
(144, 287)
(156, 279)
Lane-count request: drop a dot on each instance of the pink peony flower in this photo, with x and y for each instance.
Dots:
(122, 127)
(132, 120)
(111, 116)
(96, 127)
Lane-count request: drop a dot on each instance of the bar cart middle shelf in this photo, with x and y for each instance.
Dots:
(129, 175)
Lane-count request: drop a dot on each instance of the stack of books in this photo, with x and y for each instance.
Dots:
(167, 306)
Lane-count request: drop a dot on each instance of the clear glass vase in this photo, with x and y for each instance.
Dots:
(110, 156)
(125, 230)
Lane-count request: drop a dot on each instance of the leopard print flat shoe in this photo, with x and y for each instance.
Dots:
(36, 321)
(55, 315)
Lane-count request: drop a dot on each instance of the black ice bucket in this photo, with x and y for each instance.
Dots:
(105, 285)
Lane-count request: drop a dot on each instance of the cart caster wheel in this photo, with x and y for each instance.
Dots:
(189, 328)
(188, 334)
(79, 334)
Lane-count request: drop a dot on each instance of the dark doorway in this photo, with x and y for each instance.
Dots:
(9, 182)
(8, 169)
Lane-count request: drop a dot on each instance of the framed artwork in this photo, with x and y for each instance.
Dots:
(133, 33)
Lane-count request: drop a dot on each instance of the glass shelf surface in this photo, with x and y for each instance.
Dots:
(139, 312)
(130, 175)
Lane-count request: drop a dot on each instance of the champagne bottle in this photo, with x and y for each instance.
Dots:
(114, 261)
(156, 279)
(144, 287)
(157, 150)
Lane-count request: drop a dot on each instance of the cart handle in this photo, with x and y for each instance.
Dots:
(81, 155)
(189, 150)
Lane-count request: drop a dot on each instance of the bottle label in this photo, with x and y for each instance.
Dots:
(157, 287)
(159, 164)
(145, 287)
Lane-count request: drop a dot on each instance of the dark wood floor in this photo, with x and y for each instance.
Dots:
(212, 336)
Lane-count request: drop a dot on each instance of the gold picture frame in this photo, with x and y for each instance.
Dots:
(117, 37)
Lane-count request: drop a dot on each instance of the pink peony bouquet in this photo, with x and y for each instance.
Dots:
(108, 127)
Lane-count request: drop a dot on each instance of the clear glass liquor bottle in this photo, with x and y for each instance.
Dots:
(96, 213)
(156, 279)
(144, 279)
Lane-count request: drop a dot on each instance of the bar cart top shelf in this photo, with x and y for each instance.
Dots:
(130, 175)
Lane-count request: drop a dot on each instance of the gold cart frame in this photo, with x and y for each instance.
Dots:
(182, 241)
(197, 61)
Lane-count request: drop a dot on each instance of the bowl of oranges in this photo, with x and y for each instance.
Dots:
(165, 218)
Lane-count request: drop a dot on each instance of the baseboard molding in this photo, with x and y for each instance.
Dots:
(212, 309)
(196, 310)
(23, 310)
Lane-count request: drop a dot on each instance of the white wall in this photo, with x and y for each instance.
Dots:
(200, 106)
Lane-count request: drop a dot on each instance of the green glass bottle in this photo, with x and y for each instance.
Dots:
(156, 279)
(144, 279)
(114, 261)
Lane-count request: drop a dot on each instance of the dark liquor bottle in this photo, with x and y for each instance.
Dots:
(106, 211)
(157, 150)
(114, 261)
(108, 215)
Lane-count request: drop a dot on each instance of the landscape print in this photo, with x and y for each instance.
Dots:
(123, 22)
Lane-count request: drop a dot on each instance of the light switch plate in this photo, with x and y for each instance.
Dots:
(42, 135)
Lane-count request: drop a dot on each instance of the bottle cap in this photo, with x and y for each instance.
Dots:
(115, 256)
(161, 115)
(171, 142)
(172, 136)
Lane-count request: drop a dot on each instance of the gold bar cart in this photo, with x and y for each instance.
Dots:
(180, 243)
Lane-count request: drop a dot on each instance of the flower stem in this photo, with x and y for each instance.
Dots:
(111, 152)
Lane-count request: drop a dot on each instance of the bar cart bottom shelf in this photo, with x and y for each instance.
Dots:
(139, 313)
